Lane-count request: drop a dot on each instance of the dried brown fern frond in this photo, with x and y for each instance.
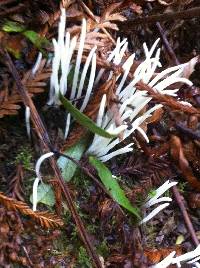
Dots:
(8, 104)
(15, 183)
(108, 18)
(107, 21)
(34, 84)
(47, 220)
(44, 218)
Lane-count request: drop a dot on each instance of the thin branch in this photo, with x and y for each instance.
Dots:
(12, 10)
(184, 14)
(27, 256)
(43, 136)
(89, 174)
(165, 41)
(179, 199)
(167, 100)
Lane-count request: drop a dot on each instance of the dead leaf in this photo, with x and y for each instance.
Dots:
(194, 200)
(44, 218)
(74, 14)
(108, 13)
(156, 116)
(156, 255)
(179, 157)
(189, 67)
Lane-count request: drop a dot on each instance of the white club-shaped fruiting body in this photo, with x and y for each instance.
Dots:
(133, 101)
(126, 92)
(133, 104)
(156, 199)
(64, 49)
(191, 257)
(38, 177)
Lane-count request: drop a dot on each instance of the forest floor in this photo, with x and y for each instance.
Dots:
(52, 239)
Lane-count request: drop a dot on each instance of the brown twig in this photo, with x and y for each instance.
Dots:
(12, 10)
(193, 134)
(43, 136)
(184, 14)
(27, 256)
(167, 100)
(179, 199)
(165, 41)
(89, 174)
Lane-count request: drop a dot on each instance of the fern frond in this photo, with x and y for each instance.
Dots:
(44, 218)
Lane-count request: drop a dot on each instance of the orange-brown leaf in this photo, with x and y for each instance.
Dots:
(179, 157)
(108, 13)
(156, 255)
(194, 200)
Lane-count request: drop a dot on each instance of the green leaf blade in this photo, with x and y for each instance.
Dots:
(45, 195)
(12, 27)
(112, 186)
(36, 39)
(83, 119)
(68, 167)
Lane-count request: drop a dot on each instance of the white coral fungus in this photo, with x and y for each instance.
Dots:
(38, 178)
(155, 200)
(132, 101)
(190, 258)
(64, 48)
(27, 109)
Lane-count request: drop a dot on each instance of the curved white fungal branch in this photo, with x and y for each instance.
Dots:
(101, 146)
(38, 178)
(132, 101)
(40, 161)
(27, 121)
(64, 49)
(37, 64)
(35, 193)
(190, 258)
(156, 200)
(160, 191)
(78, 59)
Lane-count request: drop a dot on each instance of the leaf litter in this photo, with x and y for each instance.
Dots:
(172, 153)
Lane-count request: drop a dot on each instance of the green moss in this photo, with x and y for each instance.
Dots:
(24, 157)
(83, 259)
(103, 249)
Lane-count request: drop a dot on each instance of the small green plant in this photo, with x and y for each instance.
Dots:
(152, 193)
(24, 157)
(151, 234)
(103, 249)
(13, 27)
(83, 259)
(182, 186)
